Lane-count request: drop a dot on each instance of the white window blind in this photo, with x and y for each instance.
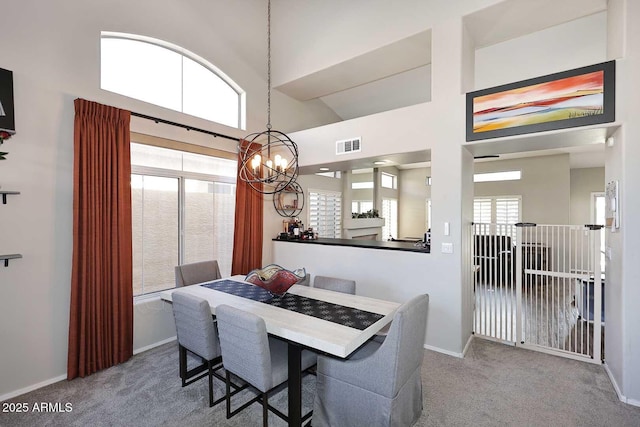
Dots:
(482, 211)
(325, 213)
(390, 215)
(499, 210)
(507, 210)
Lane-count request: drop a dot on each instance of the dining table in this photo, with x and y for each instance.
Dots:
(327, 322)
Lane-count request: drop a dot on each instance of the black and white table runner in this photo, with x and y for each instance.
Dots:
(347, 316)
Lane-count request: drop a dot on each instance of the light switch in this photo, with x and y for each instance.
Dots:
(447, 248)
(608, 253)
(446, 228)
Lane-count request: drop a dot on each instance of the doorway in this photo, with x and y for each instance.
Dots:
(535, 287)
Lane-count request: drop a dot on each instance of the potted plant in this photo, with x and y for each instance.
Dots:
(4, 135)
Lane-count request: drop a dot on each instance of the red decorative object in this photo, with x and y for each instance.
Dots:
(4, 135)
(274, 278)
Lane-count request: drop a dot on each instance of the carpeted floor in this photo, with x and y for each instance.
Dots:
(493, 385)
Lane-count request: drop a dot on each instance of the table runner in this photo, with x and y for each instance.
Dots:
(240, 289)
(336, 313)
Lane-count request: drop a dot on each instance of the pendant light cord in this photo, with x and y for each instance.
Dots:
(269, 65)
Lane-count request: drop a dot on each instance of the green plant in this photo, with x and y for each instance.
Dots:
(371, 213)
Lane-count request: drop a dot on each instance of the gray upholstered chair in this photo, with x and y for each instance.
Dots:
(250, 354)
(335, 284)
(196, 334)
(306, 281)
(380, 384)
(197, 272)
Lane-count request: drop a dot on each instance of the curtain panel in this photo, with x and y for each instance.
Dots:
(101, 312)
(247, 236)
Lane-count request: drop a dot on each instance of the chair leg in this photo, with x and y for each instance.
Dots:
(210, 366)
(227, 383)
(265, 410)
(182, 352)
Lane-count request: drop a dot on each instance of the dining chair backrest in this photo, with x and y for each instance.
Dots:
(194, 325)
(335, 284)
(245, 346)
(403, 346)
(197, 272)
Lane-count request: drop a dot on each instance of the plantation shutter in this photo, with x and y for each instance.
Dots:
(325, 213)
(390, 215)
(507, 210)
(482, 211)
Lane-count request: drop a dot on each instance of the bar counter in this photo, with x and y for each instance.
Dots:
(357, 243)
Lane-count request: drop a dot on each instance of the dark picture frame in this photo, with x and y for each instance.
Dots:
(579, 97)
(7, 115)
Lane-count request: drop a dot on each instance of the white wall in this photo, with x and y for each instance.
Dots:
(389, 275)
(412, 202)
(53, 50)
(584, 181)
(622, 291)
(544, 186)
(575, 44)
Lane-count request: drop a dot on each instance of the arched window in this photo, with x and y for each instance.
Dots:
(167, 75)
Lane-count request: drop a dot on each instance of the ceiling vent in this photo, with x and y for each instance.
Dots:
(351, 145)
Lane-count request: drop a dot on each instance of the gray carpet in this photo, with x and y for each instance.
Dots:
(494, 385)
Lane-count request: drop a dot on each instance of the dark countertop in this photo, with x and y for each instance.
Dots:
(356, 243)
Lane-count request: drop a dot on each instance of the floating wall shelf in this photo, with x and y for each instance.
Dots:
(4, 195)
(6, 258)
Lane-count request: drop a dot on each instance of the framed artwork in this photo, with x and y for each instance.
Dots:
(580, 97)
(7, 119)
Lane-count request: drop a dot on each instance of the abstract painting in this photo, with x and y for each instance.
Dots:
(579, 97)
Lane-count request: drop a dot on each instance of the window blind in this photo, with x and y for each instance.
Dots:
(325, 213)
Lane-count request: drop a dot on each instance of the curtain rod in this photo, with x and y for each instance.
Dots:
(180, 125)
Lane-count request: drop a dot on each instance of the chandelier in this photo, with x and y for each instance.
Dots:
(269, 161)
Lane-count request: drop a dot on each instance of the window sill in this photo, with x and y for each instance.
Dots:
(141, 299)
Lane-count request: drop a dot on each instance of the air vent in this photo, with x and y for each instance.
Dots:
(351, 145)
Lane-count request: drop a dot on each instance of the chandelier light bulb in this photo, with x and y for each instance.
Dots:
(278, 161)
(269, 167)
(255, 164)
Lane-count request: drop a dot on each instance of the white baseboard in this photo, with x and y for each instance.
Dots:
(443, 351)
(467, 345)
(621, 396)
(45, 383)
(451, 353)
(27, 389)
(614, 383)
(154, 345)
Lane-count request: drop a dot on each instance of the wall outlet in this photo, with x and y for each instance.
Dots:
(447, 248)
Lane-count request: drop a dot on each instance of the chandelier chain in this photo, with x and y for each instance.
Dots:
(269, 65)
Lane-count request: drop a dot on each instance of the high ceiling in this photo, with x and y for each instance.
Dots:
(393, 75)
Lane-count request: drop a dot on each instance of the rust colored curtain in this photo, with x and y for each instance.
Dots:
(247, 236)
(101, 314)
